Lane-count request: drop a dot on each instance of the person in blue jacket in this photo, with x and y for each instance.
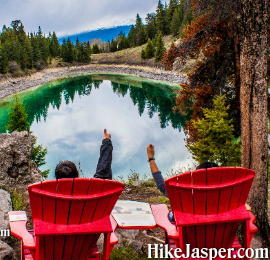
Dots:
(158, 178)
(68, 169)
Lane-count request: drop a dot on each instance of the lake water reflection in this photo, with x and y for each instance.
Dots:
(69, 116)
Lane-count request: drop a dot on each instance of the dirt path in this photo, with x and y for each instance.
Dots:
(9, 86)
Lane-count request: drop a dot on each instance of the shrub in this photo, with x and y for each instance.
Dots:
(216, 142)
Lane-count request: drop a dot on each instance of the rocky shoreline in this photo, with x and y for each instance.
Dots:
(9, 85)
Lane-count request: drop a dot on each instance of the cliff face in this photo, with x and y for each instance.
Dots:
(17, 171)
(15, 165)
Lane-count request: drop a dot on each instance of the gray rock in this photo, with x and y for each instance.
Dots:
(6, 252)
(5, 207)
(16, 169)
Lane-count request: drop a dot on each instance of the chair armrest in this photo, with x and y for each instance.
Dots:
(160, 212)
(253, 229)
(43, 228)
(17, 223)
(185, 219)
(114, 239)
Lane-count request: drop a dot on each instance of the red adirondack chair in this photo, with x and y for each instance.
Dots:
(68, 217)
(208, 206)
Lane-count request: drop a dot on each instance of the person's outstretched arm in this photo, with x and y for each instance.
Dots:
(104, 166)
(155, 171)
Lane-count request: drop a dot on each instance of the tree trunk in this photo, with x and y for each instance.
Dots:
(253, 96)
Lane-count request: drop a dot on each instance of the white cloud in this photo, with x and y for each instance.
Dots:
(71, 16)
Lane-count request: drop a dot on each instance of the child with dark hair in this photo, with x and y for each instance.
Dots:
(67, 169)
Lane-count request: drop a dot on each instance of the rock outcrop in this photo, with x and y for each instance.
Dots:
(16, 168)
(6, 252)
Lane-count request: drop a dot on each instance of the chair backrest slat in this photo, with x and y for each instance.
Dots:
(80, 187)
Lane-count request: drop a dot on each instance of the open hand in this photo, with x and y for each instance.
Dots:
(106, 135)
(150, 151)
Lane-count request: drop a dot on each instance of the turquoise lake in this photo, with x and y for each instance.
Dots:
(68, 117)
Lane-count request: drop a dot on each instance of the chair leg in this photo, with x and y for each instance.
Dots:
(106, 246)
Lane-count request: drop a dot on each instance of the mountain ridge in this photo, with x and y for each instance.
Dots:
(103, 33)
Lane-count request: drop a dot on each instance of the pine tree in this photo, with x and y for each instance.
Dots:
(149, 50)
(3, 60)
(150, 27)
(162, 19)
(188, 16)
(17, 120)
(68, 51)
(173, 5)
(54, 46)
(132, 37)
(113, 46)
(143, 54)
(95, 49)
(140, 31)
(160, 49)
(177, 20)
(216, 141)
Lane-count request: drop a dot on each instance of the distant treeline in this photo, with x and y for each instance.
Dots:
(169, 19)
(21, 52)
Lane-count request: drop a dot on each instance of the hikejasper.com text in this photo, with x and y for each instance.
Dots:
(163, 251)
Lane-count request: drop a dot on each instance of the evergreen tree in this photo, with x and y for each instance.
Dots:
(149, 50)
(17, 120)
(68, 51)
(132, 37)
(95, 49)
(160, 49)
(140, 32)
(173, 5)
(113, 46)
(143, 54)
(177, 20)
(216, 141)
(54, 46)
(162, 19)
(122, 41)
(150, 27)
(186, 20)
(3, 61)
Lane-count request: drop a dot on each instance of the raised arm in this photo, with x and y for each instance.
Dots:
(155, 171)
(104, 166)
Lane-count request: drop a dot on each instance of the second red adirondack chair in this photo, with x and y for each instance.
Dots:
(209, 206)
(68, 217)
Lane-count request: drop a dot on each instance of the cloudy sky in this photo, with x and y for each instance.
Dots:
(67, 17)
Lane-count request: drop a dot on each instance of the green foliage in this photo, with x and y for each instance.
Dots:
(216, 142)
(82, 51)
(17, 120)
(149, 50)
(18, 200)
(143, 54)
(126, 253)
(177, 20)
(150, 27)
(95, 49)
(38, 156)
(68, 51)
(54, 45)
(160, 49)
(140, 31)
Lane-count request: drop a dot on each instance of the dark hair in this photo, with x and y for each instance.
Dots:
(66, 169)
(206, 164)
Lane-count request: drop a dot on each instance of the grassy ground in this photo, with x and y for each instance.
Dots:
(130, 56)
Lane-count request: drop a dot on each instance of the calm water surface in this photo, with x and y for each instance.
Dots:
(69, 116)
